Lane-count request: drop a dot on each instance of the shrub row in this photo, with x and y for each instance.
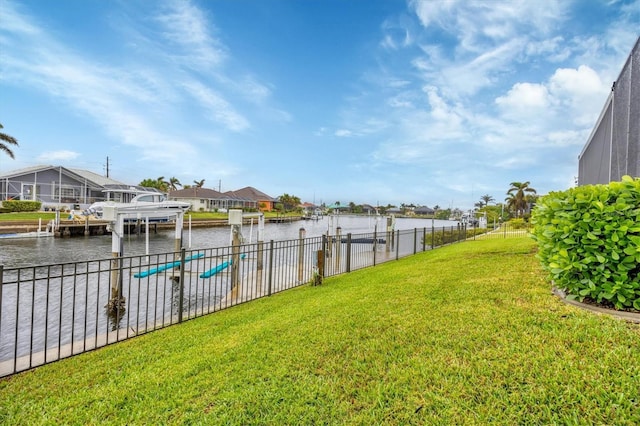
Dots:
(21, 206)
(589, 241)
(448, 236)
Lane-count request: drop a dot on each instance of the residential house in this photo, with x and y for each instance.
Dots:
(249, 197)
(54, 186)
(202, 199)
(424, 211)
(205, 199)
(369, 209)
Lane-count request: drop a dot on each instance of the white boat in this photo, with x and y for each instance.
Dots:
(34, 234)
(148, 202)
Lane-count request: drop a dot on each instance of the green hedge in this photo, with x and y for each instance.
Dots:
(21, 206)
(443, 236)
(589, 241)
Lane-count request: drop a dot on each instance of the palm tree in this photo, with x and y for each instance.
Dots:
(6, 139)
(174, 183)
(158, 183)
(484, 201)
(162, 184)
(518, 195)
(199, 183)
(486, 198)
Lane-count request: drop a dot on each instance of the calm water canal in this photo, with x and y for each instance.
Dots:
(42, 251)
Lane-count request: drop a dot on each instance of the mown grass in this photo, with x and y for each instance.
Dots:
(19, 216)
(466, 334)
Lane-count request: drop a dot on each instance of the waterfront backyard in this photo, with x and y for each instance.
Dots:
(466, 334)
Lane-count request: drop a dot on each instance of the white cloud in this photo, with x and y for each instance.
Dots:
(221, 111)
(524, 97)
(186, 25)
(53, 156)
(581, 91)
(474, 21)
(344, 133)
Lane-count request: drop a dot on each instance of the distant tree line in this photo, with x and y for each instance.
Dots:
(172, 184)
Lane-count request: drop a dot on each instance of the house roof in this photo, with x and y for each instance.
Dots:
(24, 171)
(424, 209)
(249, 193)
(79, 174)
(195, 192)
(94, 177)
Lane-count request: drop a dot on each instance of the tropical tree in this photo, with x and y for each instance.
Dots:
(174, 183)
(518, 197)
(198, 183)
(7, 140)
(442, 214)
(158, 183)
(486, 199)
(289, 202)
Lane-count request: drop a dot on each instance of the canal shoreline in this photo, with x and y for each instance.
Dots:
(99, 227)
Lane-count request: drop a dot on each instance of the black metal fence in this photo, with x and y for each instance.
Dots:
(51, 312)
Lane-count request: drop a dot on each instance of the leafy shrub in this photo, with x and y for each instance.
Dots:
(589, 241)
(518, 223)
(21, 206)
(450, 235)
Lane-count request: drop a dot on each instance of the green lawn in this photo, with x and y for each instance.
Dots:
(466, 334)
(20, 216)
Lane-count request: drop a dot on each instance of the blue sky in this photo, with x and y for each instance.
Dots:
(377, 101)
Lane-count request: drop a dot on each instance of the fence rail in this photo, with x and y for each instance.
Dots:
(51, 312)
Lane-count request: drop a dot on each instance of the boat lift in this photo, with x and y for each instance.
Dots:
(116, 216)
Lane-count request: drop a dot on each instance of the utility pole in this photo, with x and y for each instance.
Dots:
(107, 166)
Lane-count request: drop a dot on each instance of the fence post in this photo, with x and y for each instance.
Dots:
(235, 256)
(397, 245)
(270, 268)
(2, 286)
(424, 239)
(181, 294)
(349, 252)
(259, 265)
(301, 233)
(375, 243)
(504, 230)
(415, 242)
(320, 262)
(433, 231)
(338, 248)
(324, 253)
